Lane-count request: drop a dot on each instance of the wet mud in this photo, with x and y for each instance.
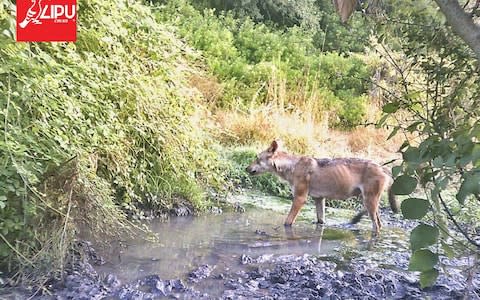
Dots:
(250, 256)
(272, 277)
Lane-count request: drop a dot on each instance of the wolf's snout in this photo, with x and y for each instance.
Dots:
(250, 170)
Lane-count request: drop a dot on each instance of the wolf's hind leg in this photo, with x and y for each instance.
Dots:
(373, 213)
(379, 221)
(320, 207)
(371, 204)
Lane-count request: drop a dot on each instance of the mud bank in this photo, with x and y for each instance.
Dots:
(307, 277)
(269, 277)
(250, 256)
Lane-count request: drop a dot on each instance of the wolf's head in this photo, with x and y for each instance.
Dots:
(264, 162)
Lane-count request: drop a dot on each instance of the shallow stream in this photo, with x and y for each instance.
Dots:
(226, 242)
(251, 255)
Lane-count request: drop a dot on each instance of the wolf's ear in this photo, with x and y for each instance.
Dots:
(274, 146)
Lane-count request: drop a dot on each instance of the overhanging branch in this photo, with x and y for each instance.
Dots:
(462, 24)
(459, 228)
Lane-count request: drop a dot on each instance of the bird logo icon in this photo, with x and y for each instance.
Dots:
(33, 14)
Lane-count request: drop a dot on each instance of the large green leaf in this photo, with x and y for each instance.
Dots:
(422, 260)
(393, 133)
(470, 185)
(448, 250)
(404, 185)
(390, 107)
(396, 170)
(413, 127)
(412, 155)
(438, 162)
(414, 208)
(423, 236)
(428, 278)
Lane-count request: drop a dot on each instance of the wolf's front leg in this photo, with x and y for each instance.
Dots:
(300, 197)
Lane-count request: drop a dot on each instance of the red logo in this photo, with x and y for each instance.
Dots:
(46, 20)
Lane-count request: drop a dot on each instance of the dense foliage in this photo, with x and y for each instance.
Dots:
(107, 120)
(317, 17)
(260, 64)
(282, 13)
(114, 124)
(435, 104)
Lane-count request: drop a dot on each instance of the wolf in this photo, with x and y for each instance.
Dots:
(337, 178)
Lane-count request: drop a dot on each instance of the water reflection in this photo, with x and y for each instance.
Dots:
(187, 242)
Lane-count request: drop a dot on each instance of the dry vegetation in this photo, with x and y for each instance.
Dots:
(300, 130)
(260, 126)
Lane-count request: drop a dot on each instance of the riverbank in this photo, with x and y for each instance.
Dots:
(251, 255)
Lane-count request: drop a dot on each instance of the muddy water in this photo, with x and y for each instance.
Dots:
(251, 255)
(188, 242)
(228, 240)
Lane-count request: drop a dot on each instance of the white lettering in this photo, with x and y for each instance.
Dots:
(43, 16)
(72, 12)
(57, 11)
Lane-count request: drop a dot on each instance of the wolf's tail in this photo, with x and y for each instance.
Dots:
(392, 199)
(358, 217)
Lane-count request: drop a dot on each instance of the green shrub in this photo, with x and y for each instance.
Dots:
(117, 105)
(316, 16)
(279, 12)
(332, 35)
(253, 59)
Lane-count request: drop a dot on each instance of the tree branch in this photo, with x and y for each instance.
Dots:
(462, 24)
(459, 228)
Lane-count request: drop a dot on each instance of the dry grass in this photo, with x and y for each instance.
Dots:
(372, 142)
(303, 136)
(208, 86)
(305, 98)
(295, 115)
(261, 126)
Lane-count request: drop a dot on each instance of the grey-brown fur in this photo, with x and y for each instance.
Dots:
(338, 178)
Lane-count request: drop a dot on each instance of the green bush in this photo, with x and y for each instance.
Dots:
(249, 57)
(279, 12)
(334, 36)
(114, 108)
(316, 16)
